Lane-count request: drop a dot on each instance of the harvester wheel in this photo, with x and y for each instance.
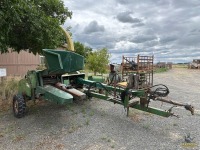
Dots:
(19, 106)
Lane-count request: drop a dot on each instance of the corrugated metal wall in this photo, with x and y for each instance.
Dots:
(19, 64)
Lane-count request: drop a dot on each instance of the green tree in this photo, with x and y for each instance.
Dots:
(97, 61)
(31, 24)
(88, 50)
(82, 49)
(79, 48)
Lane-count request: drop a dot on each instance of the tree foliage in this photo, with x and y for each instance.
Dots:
(97, 61)
(31, 24)
(82, 49)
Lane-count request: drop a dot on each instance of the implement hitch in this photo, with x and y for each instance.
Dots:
(187, 106)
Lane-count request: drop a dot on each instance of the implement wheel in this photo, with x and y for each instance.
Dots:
(19, 106)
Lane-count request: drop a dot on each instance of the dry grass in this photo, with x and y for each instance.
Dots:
(41, 67)
(8, 88)
(180, 66)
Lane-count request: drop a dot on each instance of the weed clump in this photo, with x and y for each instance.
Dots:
(8, 88)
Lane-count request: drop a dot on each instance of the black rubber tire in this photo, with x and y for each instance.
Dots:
(19, 106)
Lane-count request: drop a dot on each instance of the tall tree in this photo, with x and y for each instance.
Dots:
(81, 49)
(31, 24)
(97, 61)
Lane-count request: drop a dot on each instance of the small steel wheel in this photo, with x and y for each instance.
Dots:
(19, 106)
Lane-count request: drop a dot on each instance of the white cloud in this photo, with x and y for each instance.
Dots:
(168, 29)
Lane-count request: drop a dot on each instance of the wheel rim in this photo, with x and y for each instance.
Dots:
(16, 107)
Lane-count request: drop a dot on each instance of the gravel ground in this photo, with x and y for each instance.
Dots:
(100, 125)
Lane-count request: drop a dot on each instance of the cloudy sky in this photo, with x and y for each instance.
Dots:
(167, 29)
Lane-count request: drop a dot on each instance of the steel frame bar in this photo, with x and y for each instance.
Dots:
(137, 93)
(135, 105)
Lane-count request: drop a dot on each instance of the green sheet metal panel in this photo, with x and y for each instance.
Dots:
(53, 94)
(53, 60)
(32, 78)
(60, 61)
(71, 61)
(24, 87)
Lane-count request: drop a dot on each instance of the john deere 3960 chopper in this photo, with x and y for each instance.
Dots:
(53, 84)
